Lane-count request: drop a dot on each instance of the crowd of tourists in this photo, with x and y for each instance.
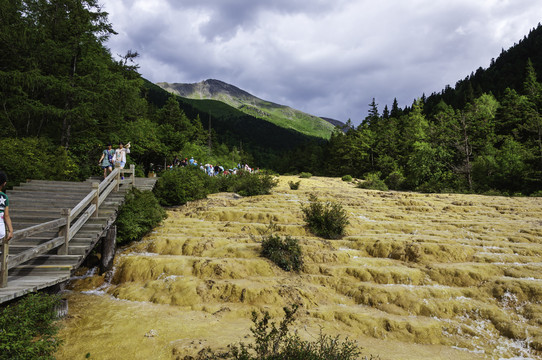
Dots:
(209, 169)
(117, 159)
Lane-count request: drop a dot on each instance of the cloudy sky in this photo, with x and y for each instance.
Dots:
(325, 57)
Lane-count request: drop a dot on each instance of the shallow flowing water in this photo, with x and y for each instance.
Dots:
(417, 277)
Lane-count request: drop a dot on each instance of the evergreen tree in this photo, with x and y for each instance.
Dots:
(533, 123)
(474, 133)
(396, 112)
(385, 112)
(372, 118)
(57, 77)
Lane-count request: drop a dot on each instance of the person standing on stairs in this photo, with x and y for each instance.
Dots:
(120, 156)
(5, 220)
(106, 161)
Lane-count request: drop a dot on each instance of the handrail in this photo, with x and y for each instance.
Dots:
(79, 214)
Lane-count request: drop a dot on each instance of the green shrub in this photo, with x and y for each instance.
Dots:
(305, 175)
(347, 178)
(224, 182)
(272, 342)
(493, 192)
(395, 180)
(286, 253)
(36, 158)
(537, 193)
(294, 185)
(327, 220)
(373, 182)
(181, 185)
(251, 184)
(28, 328)
(139, 214)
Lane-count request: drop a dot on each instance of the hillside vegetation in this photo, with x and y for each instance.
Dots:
(74, 99)
(475, 142)
(416, 276)
(283, 116)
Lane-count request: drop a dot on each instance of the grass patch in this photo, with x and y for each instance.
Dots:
(327, 220)
(305, 175)
(28, 328)
(347, 178)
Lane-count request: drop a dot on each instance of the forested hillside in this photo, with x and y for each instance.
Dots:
(262, 142)
(64, 97)
(507, 71)
(485, 135)
(283, 116)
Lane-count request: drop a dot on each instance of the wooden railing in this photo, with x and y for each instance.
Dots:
(69, 223)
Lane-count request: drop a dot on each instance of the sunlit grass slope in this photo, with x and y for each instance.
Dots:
(280, 115)
(417, 277)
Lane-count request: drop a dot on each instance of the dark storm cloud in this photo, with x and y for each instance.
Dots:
(328, 58)
(228, 16)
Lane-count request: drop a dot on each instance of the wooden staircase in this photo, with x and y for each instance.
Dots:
(37, 202)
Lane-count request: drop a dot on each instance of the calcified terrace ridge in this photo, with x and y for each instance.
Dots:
(417, 277)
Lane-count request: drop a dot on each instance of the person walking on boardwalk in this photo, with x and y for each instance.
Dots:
(106, 161)
(5, 220)
(120, 155)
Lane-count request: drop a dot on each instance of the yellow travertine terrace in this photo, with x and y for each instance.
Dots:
(418, 276)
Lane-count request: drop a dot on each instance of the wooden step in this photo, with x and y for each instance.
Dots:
(48, 192)
(45, 271)
(56, 182)
(31, 203)
(41, 218)
(78, 250)
(61, 260)
(30, 241)
(35, 184)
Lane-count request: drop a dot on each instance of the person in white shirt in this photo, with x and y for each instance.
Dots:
(120, 155)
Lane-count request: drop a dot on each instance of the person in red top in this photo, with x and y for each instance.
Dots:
(5, 220)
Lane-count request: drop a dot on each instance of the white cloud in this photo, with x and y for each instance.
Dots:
(326, 58)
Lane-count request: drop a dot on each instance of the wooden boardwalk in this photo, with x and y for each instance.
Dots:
(37, 202)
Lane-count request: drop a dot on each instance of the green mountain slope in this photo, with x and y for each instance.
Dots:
(265, 140)
(283, 116)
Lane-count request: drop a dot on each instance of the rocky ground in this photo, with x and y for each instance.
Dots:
(418, 276)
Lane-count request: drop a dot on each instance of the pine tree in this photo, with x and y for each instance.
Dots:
(533, 124)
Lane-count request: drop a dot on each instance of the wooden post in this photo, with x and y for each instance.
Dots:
(108, 249)
(96, 200)
(132, 169)
(117, 179)
(65, 231)
(4, 266)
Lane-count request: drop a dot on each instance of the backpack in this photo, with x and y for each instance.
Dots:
(109, 157)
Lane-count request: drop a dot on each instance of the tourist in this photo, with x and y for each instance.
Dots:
(176, 161)
(106, 161)
(5, 220)
(120, 156)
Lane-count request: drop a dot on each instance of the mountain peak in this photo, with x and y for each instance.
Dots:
(206, 89)
(280, 115)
